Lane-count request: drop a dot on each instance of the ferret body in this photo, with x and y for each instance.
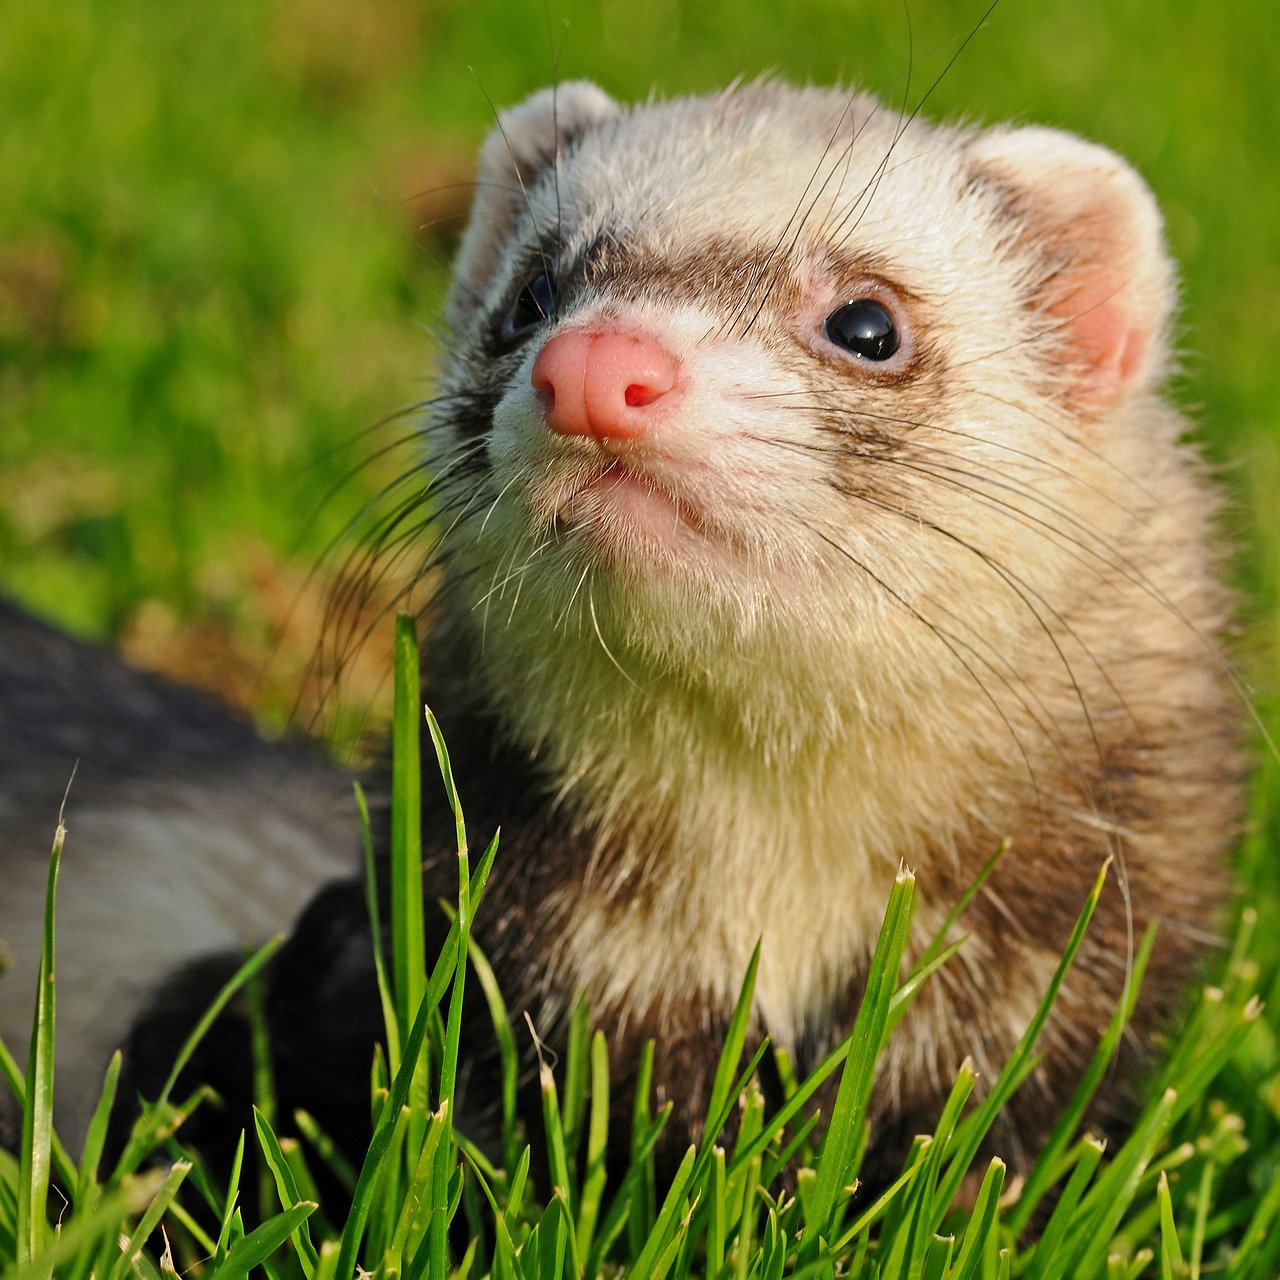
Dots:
(187, 834)
(809, 507)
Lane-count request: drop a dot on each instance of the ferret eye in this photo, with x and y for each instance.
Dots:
(535, 304)
(864, 328)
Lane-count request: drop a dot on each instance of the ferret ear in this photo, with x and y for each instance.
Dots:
(1102, 278)
(526, 139)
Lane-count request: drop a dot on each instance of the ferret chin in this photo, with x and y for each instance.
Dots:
(810, 506)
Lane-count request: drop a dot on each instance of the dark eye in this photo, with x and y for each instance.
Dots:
(535, 304)
(864, 328)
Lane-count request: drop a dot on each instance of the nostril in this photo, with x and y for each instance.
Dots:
(639, 394)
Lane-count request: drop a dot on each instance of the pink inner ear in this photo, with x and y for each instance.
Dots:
(1107, 341)
(1100, 307)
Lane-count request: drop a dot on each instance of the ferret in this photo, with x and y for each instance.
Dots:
(808, 507)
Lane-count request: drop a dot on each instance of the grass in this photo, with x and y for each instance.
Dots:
(221, 246)
(1185, 1195)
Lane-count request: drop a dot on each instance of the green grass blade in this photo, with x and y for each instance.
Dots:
(717, 1219)
(925, 1218)
(95, 1138)
(629, 1204)
(1088, 1154)
(383, 1132)
(667, 1221)
(227, 1227)
(445, 968)
(1042, 1175)
(734, 1043)
(747, 1220)
(843, 1138)
(593, 1182)
(505, 1252)
(132, 1251)
(508, 1052)
(254, 1249)
(939, 950)
(575, 1072)
(407, 926)
(905, 995)
(716, 1122)
(152, 1124)
(286, 1189)
(793, 1106)
(325, 1147)
(1170, 1250)
(445, 1161)
(1204, 1198)
(981, 1225)
(16, 1082)
(416, 1193)
(37, 1112)
(1260, 1232)
(1020, 1060)
(557, 1157)
(246, 973)
(203, 1239)
(644, 1204)
(890, 1199)
(1113, 1192)
(390, 1019)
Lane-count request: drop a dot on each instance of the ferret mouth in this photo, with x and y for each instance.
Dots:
(624, 507)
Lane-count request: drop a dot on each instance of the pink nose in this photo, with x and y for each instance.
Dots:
(604, 383)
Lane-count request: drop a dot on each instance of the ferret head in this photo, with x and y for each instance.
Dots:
(780, 400)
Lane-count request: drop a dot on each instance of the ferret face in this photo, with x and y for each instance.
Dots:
(769, 381)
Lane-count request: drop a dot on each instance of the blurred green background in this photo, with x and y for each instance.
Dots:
(223, 231)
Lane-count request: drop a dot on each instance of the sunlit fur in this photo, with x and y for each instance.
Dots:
(921, 609)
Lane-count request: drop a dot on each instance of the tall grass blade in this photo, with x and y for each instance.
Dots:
(257, 1247)
(390, 1018)
(37, 1112)
(939, 950)
(597, 1145)
(735, 1041)
(445, 1159)
(1020, 1060)
(1042, 1175)
(667, 1221)
(419, 1185)
(508, 1052)
(16, 1082)
(981, 1225)
(1048, 1246)
(408, 927)
(131, 1254)
(286, 1189)
(95, 1138)
(843, 1138)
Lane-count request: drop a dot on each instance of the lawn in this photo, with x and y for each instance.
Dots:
(224, 237)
